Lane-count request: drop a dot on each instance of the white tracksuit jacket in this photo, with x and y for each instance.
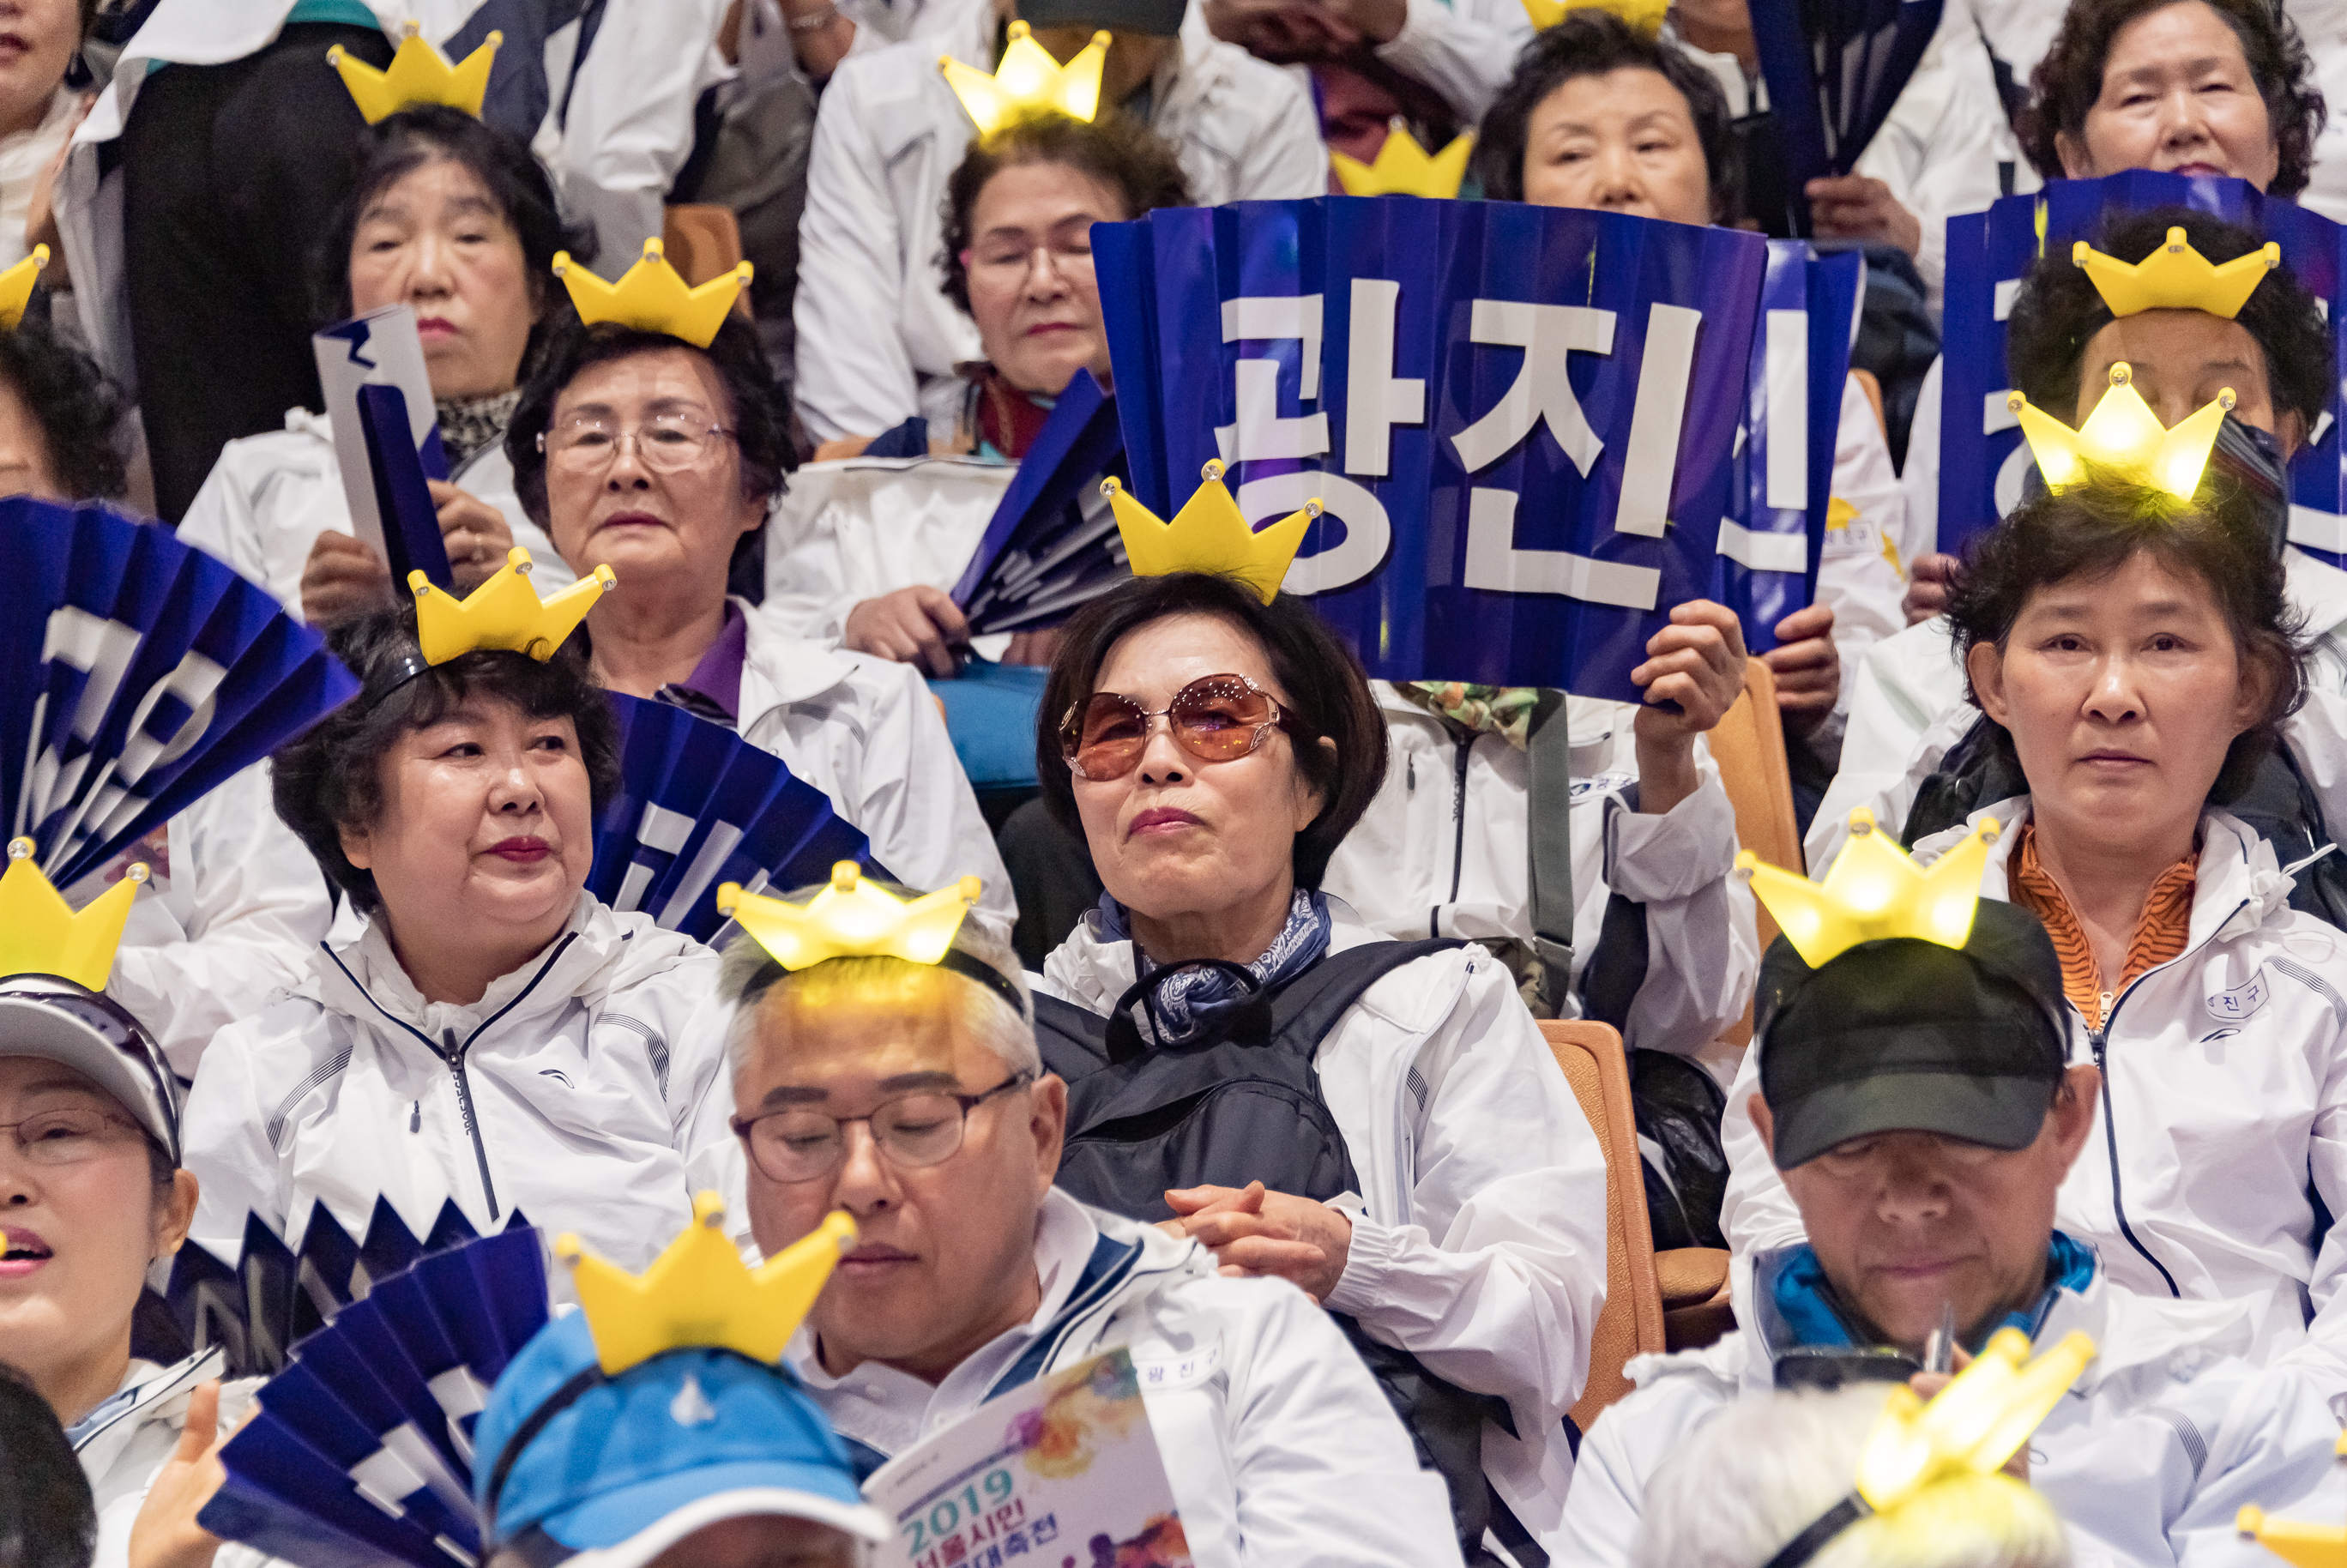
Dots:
(588, 1094)
(866, 732)
(1479, 1240)
(1280, 1449)
(1443, 852)
(1907, 708)
(2163, 1439)
(2224, 1105)
(878, 341)
(269, 497)
(123, 1442)
(627, 131)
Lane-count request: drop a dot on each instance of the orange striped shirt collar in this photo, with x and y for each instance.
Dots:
(2161, 931)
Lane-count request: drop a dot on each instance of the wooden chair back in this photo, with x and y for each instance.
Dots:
(702, 241)
(1749, 746)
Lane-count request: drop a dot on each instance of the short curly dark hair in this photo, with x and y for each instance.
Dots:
(79, 411)
(2058, 310)
(2069, 81)
(330, 778)
(398, 145)
(1327, 696)
(1592, 43)
(2091, 530)
(740, 366)
(1116, 150)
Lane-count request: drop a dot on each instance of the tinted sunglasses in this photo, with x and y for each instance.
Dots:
(1215, 718)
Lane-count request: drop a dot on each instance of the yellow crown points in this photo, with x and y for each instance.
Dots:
(16, 287)
(1209, 534)
(1404, 168)
(1973, 1425)
(41, 935)
(2176, 277)
(2124, 435)
(652, 296)
(699, 1294)
(1028, 81)
(1645, 16)
(1873, 891)
(2308, 1545)
(504, 613)
(851, 918)
(419, 73)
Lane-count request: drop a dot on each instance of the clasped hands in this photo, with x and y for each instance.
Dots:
(1256, 1233)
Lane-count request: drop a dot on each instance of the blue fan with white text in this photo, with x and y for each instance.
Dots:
(139, 673)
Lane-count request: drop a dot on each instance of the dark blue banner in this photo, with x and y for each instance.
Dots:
(139, 673)
(1983, 457)
(1522, 421)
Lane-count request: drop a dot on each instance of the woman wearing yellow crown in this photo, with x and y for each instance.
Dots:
(2135, 658)
(493, 1035)
(1214, 743)
(649, 440)
(457, 221)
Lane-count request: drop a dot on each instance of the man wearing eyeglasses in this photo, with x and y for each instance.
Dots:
(913, 1097)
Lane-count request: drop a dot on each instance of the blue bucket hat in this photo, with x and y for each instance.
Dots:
(621, 1468)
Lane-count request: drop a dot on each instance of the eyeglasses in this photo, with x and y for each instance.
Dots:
(1215, 718)
(70, 1135)
(912, 1131)
(666, 443)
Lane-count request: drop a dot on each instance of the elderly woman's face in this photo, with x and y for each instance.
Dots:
(635, 478)
(2122, 693)
(83, 1220)
(2177, 95)
(2178, 362)
(1180, 836)
(487, 826)
(436, 239)
(1620, 142)
(1030, 265)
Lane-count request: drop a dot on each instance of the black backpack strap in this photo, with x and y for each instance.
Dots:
(1305, 1009)
(1548, 819)
(1974, 772)
(1074, 1040)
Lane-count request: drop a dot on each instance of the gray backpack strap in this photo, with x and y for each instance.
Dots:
(1548, 752)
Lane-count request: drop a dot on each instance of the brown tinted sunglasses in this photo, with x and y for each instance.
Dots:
(1215, 718)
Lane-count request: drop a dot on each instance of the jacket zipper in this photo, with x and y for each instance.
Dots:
(453, 1054)
(1466, 749)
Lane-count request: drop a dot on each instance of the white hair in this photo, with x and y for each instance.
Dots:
(1763, 1469)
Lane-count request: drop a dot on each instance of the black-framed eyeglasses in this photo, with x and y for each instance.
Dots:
(800, 1143)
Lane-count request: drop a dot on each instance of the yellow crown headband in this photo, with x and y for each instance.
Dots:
(1873, 891)
(1645, 16)
(41, 935)
(1403, 168)
(16, 287)
(699, 1294)
(2176, 277)
(652, 296)
(851, 918)
(2308, 1545)
(1209, 534)
(419, 73)
(1028, 81)
(504, 613)
(2124, 435)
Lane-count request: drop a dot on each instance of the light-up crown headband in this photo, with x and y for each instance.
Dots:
(2308, 1545)
(419, 74)
(1644, 16)
(652, 296)
(1971, 1426)
(2176, 277)
(41, 935)
(504, 613)
(16, 287)
(852, 919)
(1873, 891)
(1028, 81)
(2124, 435)
(1404, 168)
(1209, 534)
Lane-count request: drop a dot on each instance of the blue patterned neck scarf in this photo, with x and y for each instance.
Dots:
(1181, 1009)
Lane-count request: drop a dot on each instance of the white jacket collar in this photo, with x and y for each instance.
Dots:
(148, 1392)
(2235, 885)
(778, 669)
(1092, 972)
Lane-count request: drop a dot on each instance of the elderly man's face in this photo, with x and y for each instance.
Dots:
(944, 1260)
(1907, 1224)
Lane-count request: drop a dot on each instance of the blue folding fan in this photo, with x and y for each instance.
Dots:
(360, 1453)
(698, 807)
(139, 673)
(1052, 544)
(1834, 68)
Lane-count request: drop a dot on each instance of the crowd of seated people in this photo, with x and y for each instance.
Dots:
(1223, 1030)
